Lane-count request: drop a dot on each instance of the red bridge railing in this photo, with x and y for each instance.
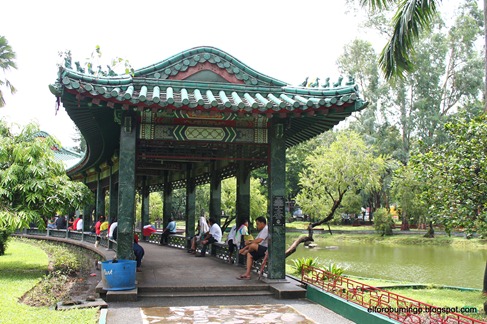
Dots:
(376, 300)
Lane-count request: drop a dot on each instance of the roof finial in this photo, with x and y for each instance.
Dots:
(316, 83)
(351, 80)
(339, 82)
(110, 71)
(305, 82)
(78, 67)
(327, 83)
(67, 60)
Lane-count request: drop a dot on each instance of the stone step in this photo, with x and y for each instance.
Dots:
(206, 289)
(226, 293)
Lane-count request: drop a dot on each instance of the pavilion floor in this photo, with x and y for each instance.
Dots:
(174, 286)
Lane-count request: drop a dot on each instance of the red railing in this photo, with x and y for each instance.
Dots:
(376, 300)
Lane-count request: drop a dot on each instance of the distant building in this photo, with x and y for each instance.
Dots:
(68, 157)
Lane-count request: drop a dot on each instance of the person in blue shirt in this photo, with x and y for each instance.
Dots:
(170, 229)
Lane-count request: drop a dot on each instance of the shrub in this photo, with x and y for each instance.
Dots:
(383, 222)
(335, 269)
(4, 237)
(298, 264)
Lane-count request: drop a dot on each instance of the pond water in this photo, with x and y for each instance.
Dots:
(443, 265)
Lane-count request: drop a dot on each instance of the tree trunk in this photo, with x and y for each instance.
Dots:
(405, 223)
(431, 231)
(484, 290)
(309, 238)
(485, 47)
(293, 247)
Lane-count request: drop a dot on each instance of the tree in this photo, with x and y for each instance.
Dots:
(455, 178)
(345, 166)
(295, 162)
(258, 203)
(406, 190)
(33, 184)
(7, 62)
(447, 76)
(80, 140)
(410, 19)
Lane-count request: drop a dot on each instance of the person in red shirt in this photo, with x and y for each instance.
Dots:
(101, 219)
(75, 223)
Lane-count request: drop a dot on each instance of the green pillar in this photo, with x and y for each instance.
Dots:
(216, 195)
(113, 212)
(243, 192)
(145, 206)
(277, 194)
(190, 208)
(126, 192)
(100, 198)
(167, 204)
(87, 210)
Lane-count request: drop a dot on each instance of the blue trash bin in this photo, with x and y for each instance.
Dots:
(119, 275)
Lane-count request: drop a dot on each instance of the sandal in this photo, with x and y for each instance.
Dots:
(242, 277)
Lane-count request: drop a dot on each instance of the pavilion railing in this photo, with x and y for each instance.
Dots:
(389, 304)
(218, 250)
(73, 235)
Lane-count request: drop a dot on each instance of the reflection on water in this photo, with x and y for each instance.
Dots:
(441, 265)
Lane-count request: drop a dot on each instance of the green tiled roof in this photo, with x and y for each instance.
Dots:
(155, 88)
(68, 157)
(200, 80)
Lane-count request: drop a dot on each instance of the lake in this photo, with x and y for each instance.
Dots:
(442, 265)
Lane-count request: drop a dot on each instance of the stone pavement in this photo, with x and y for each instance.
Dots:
(176, 287)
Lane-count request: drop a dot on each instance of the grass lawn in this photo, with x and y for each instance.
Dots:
(448, 298)
(21, 268)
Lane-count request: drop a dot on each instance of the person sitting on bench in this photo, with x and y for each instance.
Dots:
(213, 236)
(203, 228)
(170, 229)
(139, 252)
(255, 249)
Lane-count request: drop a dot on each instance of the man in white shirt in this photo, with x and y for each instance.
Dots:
(79, 224)
(112, 230)
(214, 235)
(257, 248)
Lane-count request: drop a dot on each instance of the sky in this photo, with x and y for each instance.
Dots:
(286, 40)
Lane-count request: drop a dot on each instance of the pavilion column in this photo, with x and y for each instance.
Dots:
(277, 193)
(167, 204)
(126, 192)
(216, 195)
(190, 208)
(113, 192)
(145, 206)
(100, 198)
(243, 192)
(86, 213)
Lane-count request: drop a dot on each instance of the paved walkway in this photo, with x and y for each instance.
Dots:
(166, 268)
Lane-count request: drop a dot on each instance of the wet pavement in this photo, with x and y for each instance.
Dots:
(176, 287)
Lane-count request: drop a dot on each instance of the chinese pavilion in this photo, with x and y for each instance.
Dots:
(197, 117)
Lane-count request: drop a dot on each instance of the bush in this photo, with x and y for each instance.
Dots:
(383, 222)
(4, 237)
